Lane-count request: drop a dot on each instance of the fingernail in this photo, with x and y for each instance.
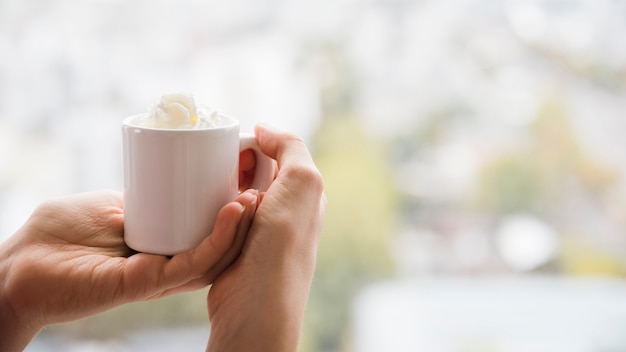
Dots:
(255, 197)
(254, 192)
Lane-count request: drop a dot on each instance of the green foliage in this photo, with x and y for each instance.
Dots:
(583, 258)
(513, 183)
(354, 248)
(539, 176)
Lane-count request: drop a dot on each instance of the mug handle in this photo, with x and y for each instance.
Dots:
(264, 167)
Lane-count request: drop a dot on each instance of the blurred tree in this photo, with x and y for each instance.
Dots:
(551, 167)
(589, 259)
(354, 248)
(552, 176)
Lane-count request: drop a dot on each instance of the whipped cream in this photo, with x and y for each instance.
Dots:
(179, 111)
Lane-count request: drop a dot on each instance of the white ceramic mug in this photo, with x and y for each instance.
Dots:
(177, 180)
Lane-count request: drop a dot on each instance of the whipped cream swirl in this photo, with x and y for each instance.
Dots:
(179, 111)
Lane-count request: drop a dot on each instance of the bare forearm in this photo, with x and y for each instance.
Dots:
(13, 337)
(15, 333)
(270, 321)
(263, 329)
(264, 333)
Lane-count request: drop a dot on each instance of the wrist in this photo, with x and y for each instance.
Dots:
(16, 331)
(266, 327)
(15, 335)
(270, 320)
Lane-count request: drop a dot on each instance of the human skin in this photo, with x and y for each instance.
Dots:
(258, 303)
(69, 261)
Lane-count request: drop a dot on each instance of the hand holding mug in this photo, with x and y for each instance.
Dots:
(258, 302)
(69, 261)
(176, 180)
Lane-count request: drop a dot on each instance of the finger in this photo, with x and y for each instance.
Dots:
(147, 276)
(213, 250)
(261, 196)
(247, 160)
(286, 148)
(250, 199)
(297, 171)
(275, 169)
(226, 260)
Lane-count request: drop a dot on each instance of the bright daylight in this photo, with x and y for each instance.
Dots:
(473, 156)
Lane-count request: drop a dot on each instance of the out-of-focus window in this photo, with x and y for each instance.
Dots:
(473, 155)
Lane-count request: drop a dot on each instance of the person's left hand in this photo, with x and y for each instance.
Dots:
(69, 260)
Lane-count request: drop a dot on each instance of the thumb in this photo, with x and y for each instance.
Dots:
(149, 276)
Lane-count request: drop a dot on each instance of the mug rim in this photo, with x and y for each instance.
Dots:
(233, 122)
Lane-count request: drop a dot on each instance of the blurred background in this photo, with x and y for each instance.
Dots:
(473, 154)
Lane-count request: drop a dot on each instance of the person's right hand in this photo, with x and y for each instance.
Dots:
(258, 303)
(69, 261)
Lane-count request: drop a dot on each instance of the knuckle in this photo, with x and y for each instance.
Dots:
(292, 137)
(289, 140)
(45, 213)
(45, 208)
(307, 175)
